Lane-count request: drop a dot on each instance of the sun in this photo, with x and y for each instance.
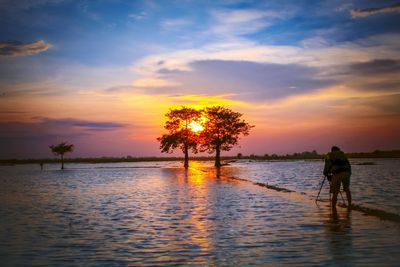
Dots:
(195, 126)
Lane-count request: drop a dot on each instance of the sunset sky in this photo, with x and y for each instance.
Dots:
(102, 74)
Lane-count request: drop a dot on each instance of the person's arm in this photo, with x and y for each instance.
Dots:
(348, 164)
(327, 166)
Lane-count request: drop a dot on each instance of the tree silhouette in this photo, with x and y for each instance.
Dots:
(222, 130)
(180, 134)
(61, 149)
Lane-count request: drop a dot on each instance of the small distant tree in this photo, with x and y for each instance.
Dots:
(180, 132)
(222, 130)
(61, 149)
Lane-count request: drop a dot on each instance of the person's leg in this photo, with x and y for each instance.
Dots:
(334, 200)
(346, 187)
(335, 187)
(348, 196)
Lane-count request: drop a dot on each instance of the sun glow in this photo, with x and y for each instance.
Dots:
(195, 126)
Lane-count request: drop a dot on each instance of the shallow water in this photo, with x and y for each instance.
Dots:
(375, 183)
(155, 214)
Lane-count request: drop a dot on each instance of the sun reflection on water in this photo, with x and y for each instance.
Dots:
(197, 180)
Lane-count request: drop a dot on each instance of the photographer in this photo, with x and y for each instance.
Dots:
(338, 170)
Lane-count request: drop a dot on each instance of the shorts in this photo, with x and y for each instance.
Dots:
(337, 179)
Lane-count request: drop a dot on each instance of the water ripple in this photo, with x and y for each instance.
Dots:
(173, 217)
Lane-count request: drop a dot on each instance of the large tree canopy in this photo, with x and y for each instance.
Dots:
(61, 149)
(222, 130)
(180, 133)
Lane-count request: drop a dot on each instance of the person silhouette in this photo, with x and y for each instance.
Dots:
(338, 167)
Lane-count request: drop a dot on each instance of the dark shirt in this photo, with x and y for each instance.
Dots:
(335, 162)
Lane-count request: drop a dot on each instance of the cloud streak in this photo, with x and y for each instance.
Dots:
(83, 124)
(169, 24)
(247, 80)
(19, 49)
(54, 127)
(241, 22)
(375, 10)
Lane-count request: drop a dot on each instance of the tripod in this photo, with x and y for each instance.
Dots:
(319, 192)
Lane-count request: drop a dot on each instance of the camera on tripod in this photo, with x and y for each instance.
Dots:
(329, 176)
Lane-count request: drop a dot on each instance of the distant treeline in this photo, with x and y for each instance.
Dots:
(296, 156)
(314, 155)
(376, 154)
(303, 155)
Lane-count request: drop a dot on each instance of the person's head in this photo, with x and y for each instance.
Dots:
(335, 148)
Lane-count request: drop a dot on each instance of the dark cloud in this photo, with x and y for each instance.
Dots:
(18, 49)
(54, 127)
(380, 74)
(378, 66)
(247, 80)
(84, 125)
(97, 125)
(395, 8)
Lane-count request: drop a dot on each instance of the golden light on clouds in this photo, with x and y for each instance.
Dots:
(202, 101)
(153, 82)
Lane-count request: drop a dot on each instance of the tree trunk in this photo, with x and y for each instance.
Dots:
(62, 161)
(217, 156)
(186, 164)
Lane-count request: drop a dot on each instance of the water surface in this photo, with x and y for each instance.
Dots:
(158, 214)
(375, 183)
